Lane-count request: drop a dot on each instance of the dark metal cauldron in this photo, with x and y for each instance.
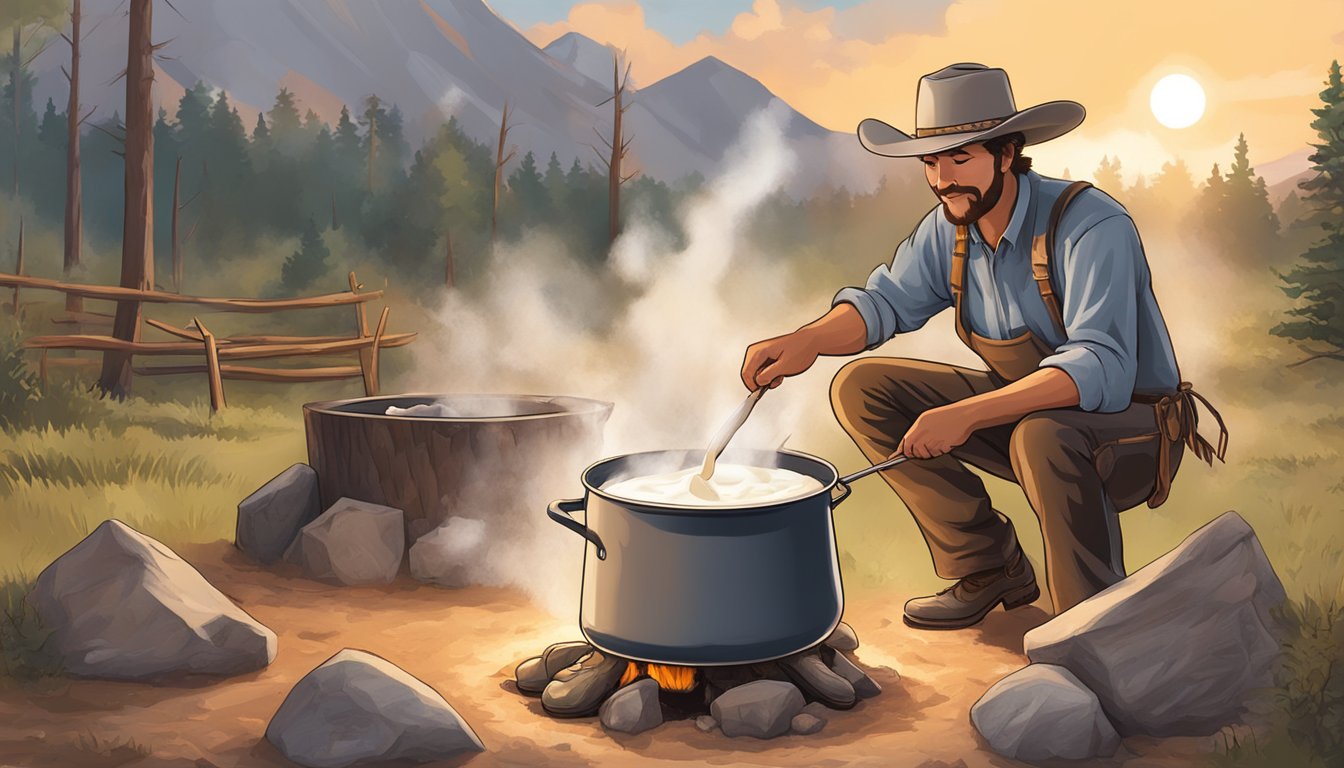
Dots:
(704, 586)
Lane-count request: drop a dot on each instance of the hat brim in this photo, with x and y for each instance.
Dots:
(1039, 123)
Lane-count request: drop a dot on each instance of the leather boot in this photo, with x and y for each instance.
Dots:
(969, 600)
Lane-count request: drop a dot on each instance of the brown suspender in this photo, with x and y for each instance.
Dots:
(1042, 246)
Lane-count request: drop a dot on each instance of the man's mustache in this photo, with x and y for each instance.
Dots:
(955, 188)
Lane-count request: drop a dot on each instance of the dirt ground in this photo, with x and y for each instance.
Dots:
(465, 643)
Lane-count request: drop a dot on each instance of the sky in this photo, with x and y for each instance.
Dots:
(1262, 65)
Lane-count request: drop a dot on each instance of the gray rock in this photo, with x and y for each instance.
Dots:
(864, 686)
(121, 605)
(843, 638)
(359, 709)
(805, 724)
(633, 708)
(271, 517)
(353, 542)
(1043, 712)
(706, 723)
(1176, 648)
(764, 709)
(819, 710)
(440, 556)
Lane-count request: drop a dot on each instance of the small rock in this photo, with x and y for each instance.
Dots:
(440, 556)
(706, 723)
(1179, 646)
(844, 638)
(805, 724)
(271, 517)
(763, 709)
(121, 605)
(819, 711)
(1043, 712)
(357, 708)
(633, 708)
(864, 686)
(353, 542)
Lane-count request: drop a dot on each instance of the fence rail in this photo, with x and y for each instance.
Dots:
(200, 341)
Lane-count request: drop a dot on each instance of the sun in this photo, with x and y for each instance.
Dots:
(1177, 101)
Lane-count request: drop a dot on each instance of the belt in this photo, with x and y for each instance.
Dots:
(1177, 422)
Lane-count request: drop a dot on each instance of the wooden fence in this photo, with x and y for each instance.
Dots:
(198, 340)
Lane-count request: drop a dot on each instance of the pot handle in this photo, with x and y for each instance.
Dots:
(842, 484)
(559, 511)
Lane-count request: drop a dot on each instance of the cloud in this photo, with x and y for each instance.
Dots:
(1262, 65)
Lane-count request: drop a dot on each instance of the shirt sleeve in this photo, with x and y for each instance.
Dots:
(1100, 282)
(902, 296)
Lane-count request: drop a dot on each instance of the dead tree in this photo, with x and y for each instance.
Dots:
(500, 161)
(177, 210)
(449, 279)
(373, 138)
(137, 241)
(33, 16)
(74, 195)
(617, 147)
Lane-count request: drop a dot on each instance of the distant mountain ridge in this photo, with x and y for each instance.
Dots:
(441, 58)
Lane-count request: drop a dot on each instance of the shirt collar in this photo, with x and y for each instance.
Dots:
(1019, 217)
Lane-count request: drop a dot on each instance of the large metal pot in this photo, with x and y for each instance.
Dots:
(705, 586)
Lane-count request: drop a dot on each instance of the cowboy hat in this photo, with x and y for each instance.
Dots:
(966, 103)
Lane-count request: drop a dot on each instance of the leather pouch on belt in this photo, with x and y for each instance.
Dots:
(1179, 423)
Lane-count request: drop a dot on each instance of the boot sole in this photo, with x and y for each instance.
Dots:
(1009, 601)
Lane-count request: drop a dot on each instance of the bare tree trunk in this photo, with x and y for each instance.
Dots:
(74, 194)
(373, 144)
(137, 242)
(617, 148)
(335, 223)
(14, 84)
(177, 243)
(449, 279)
(500, 162)
(18, 269)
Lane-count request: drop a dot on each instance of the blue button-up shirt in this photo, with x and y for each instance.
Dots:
(1117, 342)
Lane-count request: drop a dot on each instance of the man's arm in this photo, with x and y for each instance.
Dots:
(839, 332)
(939, 430)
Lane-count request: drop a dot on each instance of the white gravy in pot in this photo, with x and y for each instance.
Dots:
(733, 484)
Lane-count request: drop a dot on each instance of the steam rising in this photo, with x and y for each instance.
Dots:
(662, 338)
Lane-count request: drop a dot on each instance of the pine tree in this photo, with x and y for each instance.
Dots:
(1314, 282)
(1107, 177)
(52, 131)
(306, 264)
(284, 116)
(554, 181)
(1250, 217)
(261, 135)
(529, 191)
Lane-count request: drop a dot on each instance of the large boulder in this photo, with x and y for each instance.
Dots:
(764, 709)
(271, 517)
(1043, 712)
(633, 708)
(353, 542)
(121, 605)
(441, 556)
(1178, 647)
(359, 709)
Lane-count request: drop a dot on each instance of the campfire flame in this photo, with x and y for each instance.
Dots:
(668, 677)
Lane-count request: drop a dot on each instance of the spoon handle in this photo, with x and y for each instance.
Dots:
(727, 431)
(866, 471)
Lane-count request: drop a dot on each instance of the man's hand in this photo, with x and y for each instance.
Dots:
(767, 362)
(937, 431)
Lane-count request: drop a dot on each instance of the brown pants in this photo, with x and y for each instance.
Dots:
(1077, 468)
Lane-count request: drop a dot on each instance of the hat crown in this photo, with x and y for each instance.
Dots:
(963, 94)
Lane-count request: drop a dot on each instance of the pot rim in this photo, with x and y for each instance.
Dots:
(569, 406)
(653, 507)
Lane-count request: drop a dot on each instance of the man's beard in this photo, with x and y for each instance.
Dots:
(980, 204)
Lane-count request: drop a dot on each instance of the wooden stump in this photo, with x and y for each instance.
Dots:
(488, 467)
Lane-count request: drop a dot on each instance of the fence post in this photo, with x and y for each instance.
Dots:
(373, 355)
(42, 368)
(211, 366)
(362, 328)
